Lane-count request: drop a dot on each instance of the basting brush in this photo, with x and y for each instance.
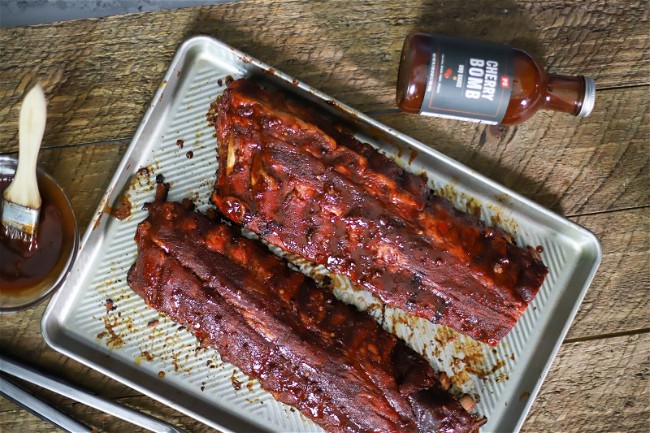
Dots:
(21, 201)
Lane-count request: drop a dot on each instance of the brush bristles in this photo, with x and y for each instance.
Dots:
(28, 240)
(20, 222)
(14, 233)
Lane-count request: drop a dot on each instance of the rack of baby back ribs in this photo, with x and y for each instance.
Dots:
(309, 187)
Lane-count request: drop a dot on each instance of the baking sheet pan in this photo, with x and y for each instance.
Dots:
(96, 319)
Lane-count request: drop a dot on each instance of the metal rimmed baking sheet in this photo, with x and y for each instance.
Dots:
(96, 319)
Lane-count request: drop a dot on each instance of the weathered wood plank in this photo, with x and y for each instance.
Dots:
(84, 173)
(570, 165)
(614, 303)
(101, 74)
(599, 386)
(21, 338)
(618, 299)
(596, 386)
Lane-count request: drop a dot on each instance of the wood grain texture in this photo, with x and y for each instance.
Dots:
(596, 386)
(101, 74)
(570, 165)
(618, 299)
(616, 303)
(83, 172)
(600, 386)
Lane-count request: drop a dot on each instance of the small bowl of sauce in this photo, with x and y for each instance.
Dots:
(29, 277)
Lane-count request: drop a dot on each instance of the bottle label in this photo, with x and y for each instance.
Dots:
(468, 80)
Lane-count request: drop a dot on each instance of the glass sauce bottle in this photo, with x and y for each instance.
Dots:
(483, 81)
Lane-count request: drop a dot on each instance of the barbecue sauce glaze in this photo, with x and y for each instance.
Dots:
(302, 184)
(22, 270)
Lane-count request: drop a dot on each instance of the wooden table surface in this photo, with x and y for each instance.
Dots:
(100, 76)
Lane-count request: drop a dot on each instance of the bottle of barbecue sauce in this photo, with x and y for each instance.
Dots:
(483, 81)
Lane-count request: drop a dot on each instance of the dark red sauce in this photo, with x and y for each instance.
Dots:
(110, 305)
(21, 269)
(123, 210)
(307, 190)
(180, 143)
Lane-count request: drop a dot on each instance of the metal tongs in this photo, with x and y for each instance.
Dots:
(14, 392)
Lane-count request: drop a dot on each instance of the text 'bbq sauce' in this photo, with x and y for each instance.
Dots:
(483, 81)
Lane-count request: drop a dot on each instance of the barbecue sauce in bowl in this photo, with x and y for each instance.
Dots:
(27, 277)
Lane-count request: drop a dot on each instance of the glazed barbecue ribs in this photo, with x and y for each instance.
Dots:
(310, 188)
(309, 350)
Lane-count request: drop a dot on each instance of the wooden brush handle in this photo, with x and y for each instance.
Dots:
(31, 125)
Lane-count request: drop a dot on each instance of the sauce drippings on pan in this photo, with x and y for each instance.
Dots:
(123, 210)
(21, 269)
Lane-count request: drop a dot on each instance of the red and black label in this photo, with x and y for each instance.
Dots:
(468, 80)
